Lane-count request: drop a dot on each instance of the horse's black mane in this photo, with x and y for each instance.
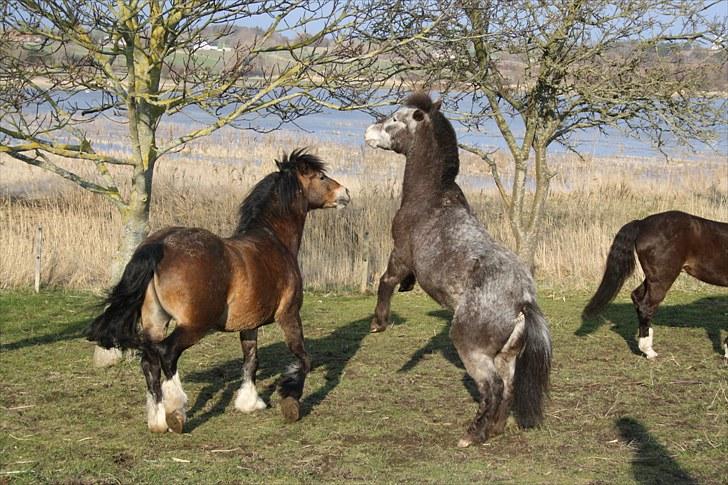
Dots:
(444, 135)
(419, 100)
(275, 195)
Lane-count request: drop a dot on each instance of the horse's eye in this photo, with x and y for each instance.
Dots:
(322, 177)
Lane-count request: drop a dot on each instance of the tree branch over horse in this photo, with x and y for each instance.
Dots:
(207, 283)
(497, 328)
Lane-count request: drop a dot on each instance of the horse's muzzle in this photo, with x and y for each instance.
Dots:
(342, 198)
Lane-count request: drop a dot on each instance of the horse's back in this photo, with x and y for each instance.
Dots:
(674, 240)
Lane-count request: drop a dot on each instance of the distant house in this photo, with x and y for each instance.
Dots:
(718, 44)
(203, 45)
(109, 41)
(24, 37)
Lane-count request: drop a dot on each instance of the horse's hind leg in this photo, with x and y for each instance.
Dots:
(164, 352)
(481, 367)
(646, 298)
(395, 273)
(152, 368)
(247, 399)
(505, 365)
(291, 384)
(170, 349)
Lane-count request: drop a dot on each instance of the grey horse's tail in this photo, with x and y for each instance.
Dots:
(117, 325)
(620, 264)
(531, 380)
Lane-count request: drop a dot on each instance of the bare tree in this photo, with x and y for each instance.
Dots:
(147, 60)
(144, 61)
(545, 71)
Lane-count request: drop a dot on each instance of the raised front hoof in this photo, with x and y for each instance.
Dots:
(291, 409)
(377, 327)
(176, 421)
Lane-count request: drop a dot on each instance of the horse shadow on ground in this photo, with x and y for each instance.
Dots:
(651, 463)
(709, 313)
(441, 343)
(70, 331)
(331, 352)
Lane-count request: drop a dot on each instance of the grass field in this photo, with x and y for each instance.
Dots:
(378, 408)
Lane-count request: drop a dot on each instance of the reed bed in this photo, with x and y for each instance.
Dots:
(348, 249)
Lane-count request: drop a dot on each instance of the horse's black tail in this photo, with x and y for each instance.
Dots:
(117, 325)
(620, 265)
(533, 366)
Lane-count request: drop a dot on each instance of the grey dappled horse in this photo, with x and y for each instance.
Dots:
(497, 328)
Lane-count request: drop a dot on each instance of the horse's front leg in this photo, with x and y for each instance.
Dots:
(290, 387)
(247, 399)
(396, 272)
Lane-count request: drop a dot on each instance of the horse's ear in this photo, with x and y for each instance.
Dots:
(436, 105)
(418, 115)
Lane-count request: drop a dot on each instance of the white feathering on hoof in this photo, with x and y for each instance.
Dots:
(156, 416)
(645, 345)
(293, 369)
(247, 399)
(173, 397)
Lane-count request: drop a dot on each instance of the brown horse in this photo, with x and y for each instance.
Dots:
(498, 329)
(205, 283)
(666, 244)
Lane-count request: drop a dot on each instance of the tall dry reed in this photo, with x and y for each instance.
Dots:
(203, 186)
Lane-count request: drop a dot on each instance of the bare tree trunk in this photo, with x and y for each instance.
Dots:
(135, 217)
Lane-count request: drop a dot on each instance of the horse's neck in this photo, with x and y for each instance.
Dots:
(289, 230)
(423, 174)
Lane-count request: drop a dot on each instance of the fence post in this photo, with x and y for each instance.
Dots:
(364, 263)
(38, 256)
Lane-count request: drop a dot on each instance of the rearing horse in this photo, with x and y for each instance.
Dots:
(208, 283)
(497, 327)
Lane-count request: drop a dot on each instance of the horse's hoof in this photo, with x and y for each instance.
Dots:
(465, 442)
(291, 409)
(376, 327)
(158, 428)
(176, 421)
(651, 354)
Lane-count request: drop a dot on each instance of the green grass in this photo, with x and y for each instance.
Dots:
(378, 407)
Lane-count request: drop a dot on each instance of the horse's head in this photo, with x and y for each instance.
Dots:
(397, 132)
(320, 191)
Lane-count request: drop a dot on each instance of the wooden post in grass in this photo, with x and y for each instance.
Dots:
(364, 263)
(38, 256)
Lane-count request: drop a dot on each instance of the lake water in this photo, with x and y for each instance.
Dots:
(348, 128)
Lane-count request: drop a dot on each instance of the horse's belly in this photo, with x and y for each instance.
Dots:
(246, 314)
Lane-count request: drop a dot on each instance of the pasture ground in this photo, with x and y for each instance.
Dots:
(378, 408)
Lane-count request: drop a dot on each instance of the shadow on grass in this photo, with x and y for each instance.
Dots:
(709, 313)
(441, 343)
(651, 462)
(331, 352)
(70, 331)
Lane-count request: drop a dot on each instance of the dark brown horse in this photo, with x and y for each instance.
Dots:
(205, 283)
(497, 327)
(666, 244)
